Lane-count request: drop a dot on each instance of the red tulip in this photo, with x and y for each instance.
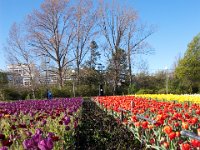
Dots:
(195, 143)
(185, 146)
(144, 124)
(194, 120)
(172, 135)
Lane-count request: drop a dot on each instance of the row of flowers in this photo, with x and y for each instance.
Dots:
(158, 124)
(171, 97)
(39, 124)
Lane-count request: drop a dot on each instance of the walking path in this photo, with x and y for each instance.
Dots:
(99, 131)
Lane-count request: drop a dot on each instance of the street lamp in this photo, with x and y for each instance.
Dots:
(73, 78)
(100, 69)
(46, 66)
(167, 79)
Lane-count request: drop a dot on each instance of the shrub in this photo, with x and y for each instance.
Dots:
(11, 94)
(64, 92)
(145, 91)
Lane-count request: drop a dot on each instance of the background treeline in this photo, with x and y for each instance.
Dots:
(100, 42)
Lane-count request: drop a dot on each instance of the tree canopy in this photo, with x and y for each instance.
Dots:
(188, 69)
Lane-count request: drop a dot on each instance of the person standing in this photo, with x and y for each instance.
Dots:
(49, 95)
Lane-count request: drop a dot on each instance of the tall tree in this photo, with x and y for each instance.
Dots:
(136, 43)
(119, 26)
(114, 25)
(19, 52)
(94, 54)
(188, 68)
(51, 31)
(85, 17)
(117, 68)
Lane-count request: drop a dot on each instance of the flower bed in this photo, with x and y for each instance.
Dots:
(171, 97)
(156, 124)
(39, 124)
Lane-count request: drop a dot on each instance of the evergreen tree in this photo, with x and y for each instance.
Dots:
(188, 69)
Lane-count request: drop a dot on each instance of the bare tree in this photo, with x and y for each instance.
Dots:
(115, 23)
(51, 31)
(19, 53)
(136, 43)
(85, 20)
(119, 26)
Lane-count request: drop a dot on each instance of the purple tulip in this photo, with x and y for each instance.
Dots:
(36, 138)
(4, 148)
(38, 131)
(44, 122)
(22, 125)
(7, 142)
(75, 124)
(2, 136)
(28, 133)
(66, 120)
(67, 128)
(28, 143)
(50, 134)
(60, 122)
(46, 144)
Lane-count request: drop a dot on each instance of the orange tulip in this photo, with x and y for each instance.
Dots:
(167, 129)
(150, 126)
(178, 134)
(137, 124)
(6, 115)
(185, 125)
(198, 131)
(159, 117)
(166, 144)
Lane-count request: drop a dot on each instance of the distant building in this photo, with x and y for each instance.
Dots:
(19, 74)
(50, 77)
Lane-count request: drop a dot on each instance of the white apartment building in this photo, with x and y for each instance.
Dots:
(18, 74)
(21, 74)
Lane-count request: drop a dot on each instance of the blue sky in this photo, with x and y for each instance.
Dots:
(177, 22)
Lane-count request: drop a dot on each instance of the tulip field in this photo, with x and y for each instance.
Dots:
(157, 124)
(105, 122)
(39, 124)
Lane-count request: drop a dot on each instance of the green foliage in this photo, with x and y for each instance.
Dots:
(87, 90)
(162, 91)
(3, 78)
(11, 94)
(64, 92)
(145, 91)
(41, 92)
(132, 89)
(188, 69)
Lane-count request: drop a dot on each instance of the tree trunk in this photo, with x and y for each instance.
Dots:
(129, 68)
